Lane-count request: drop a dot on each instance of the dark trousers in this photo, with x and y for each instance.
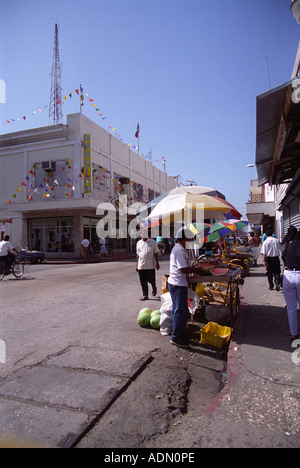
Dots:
(147, 276)
(180, 311)
(8, 259)
(273, 270)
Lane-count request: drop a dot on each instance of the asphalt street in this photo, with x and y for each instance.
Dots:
(55, 306)
(73, 346)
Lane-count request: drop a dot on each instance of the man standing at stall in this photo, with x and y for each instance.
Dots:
(178, 285)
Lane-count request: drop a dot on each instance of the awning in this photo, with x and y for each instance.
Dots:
(5, 221)
(277, 129)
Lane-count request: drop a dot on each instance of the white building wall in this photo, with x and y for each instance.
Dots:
(30, 147)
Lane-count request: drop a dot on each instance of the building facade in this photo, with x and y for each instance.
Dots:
(52, 180)
(278, 150)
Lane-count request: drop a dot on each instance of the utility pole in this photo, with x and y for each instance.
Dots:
(55, 107)
(192, 182)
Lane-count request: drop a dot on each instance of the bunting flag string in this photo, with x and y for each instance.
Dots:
(116, 134)
(80, 92)
(46, 188)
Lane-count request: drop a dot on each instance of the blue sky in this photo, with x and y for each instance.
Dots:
(188, 71)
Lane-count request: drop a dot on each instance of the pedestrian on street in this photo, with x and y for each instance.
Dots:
(178, 286)
(86, 249)
(254, 246)
(103, 251)
(147, 261)
(291, 279)
(271, 251)
(264, 237)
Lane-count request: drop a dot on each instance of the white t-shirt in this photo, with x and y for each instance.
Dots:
(145, 251)
(5, 247)
(271, 247)
(85, 243)
(179, 259)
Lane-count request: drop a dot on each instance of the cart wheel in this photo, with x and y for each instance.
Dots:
(18, 269)
(2, 271)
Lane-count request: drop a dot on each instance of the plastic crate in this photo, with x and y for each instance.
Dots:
(215, 334)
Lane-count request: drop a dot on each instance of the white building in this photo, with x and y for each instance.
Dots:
(52, 180)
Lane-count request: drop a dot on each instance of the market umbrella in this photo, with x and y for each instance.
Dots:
(218, 231)
(238, 223)
(183, 205)
(200, 228)
(145, 211)
(233, 213)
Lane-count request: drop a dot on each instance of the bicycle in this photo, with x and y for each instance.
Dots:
(17, 269)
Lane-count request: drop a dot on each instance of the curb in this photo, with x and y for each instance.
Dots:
(235, 361)
(82, 262)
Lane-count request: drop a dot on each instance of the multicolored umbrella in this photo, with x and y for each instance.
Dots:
(200, 228)
(145, 210)
(218, 231)
(238, 223)
(234, 213)
(175, 205)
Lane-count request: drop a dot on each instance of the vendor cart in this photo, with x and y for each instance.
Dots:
(220, 289)
(33, 256)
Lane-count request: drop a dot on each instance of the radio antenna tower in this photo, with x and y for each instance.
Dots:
(55, 107)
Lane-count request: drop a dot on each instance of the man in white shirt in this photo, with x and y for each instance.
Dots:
(6, 251)
(86, 249)
(178, 286)
(271, 251)
(147, 261)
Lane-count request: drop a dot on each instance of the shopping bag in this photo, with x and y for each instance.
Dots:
(193, 301)
(166, 324)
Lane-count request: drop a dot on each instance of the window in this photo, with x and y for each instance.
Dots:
(100, 178)
(51, 179)
(51, 234)
(121, 185)
(138, 192)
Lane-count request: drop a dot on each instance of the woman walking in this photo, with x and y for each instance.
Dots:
(291, 278)
(254, 246)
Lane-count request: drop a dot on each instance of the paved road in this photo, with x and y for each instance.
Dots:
(53, 307)
(73, 347)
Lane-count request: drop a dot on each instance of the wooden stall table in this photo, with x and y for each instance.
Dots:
(229, 296)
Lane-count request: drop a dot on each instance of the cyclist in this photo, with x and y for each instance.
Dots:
(6, 252)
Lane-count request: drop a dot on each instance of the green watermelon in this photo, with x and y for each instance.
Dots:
(155, 321)
(143, 319)
(145, 310)
(155, 312)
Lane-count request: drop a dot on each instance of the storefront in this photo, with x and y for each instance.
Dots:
(278, 149)
(51, 235)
